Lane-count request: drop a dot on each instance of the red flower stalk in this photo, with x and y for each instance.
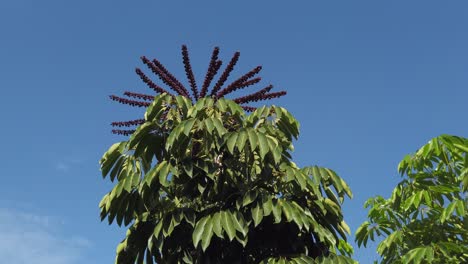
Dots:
(150, 83)
(128, 123)
(171, 77)
(249, 108)
(249, 82)
(237, 84)
(122, 132)
(162, 76)
(273, 95)
(253, 97)
(226, 73)
(129, 102)
(140, 96)
(213, 68)
(189, 72)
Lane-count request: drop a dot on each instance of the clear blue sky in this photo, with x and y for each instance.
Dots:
(369, 81)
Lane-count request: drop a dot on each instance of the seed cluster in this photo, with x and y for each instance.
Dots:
(219, 90)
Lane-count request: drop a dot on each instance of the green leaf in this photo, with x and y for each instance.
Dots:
(418, 254)
(409, 202)
(209, 125)
(263, 144)
(188, 125)
(222, 105)
(184, 103)
(238, 221)
(155, 108)
(199, 230)
(249, 197)
(276, 210)
(300, 178)
(127, 184)
(163, 173)
(296, 212)
(267, 207)
(257, 215)
(445, 189)
(287, 211)
(174, 135)
(141, 131)
(231, 142)
(150, 175)
(460, 208)
(447, 212)
(253, 139)
(228, 225)
(217, 226)
(207, 234)
(362, 234)
(110, 157)
(158, 228)
(241, 139)
(190, 217)
(117, 168)
(275, 148)
(188, 168)
(219, 126)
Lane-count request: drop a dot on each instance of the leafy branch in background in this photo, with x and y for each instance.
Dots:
(425, 219)
(202, 181)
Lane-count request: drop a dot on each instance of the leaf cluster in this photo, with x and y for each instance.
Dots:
(207, 183)
(425, 219)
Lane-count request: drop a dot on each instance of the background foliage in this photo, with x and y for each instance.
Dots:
(425, 219)
(207, 183)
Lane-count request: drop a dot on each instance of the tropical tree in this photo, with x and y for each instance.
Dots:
(203, 181)
(425, 219)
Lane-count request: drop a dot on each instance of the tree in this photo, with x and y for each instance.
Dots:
(425, 219)
(202, 181)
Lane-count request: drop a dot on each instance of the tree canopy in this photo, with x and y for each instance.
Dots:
(205, 182)
(425, 219)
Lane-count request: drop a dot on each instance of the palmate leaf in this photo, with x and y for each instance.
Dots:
(241, 140)
(157, 107)
(111, 156)
(239, 222)
(217, 225)
(231, 141)
(263, 145)
(228, 224)
(390, 242)
(253, 138)
(417, 255)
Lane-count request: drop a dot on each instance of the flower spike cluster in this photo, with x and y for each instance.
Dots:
(219, 90)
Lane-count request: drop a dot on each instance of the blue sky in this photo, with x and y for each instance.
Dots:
(369, 81)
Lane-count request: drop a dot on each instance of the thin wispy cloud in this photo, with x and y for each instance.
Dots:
(65, 165)
(29, 238)
(61, 166)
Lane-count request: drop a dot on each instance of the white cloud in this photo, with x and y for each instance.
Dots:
(29, 238)
(61, 166)
(64, 165)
